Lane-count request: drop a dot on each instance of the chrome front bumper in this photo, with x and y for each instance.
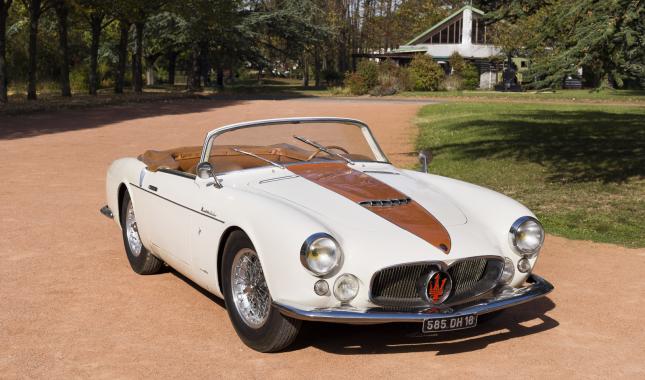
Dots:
(537, 287)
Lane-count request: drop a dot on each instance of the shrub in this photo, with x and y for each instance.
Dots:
(356, 84)
(382, 79)
(426, 73)
(464, 75)
(79, 78)
(470, 77)
(339, 91)
(369, 70)
(394, 76)
(452, 83)
(332, 77)
(457, 63)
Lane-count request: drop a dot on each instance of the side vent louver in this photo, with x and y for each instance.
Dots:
(385, 202)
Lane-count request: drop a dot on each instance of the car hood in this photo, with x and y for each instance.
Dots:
(363, 234)
(331, 204)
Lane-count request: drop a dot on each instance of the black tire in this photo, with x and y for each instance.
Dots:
(278, 331)
(144, 263)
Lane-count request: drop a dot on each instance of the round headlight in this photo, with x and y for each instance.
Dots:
(346, 287)
(527, 236)
(320, 254)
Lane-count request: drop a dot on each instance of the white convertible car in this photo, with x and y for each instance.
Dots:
(305, 219)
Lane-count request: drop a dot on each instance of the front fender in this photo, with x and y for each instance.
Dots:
(123, 171)
(277, 247)
(488, 210)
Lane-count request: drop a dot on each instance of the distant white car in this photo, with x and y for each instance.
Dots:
(306, 219)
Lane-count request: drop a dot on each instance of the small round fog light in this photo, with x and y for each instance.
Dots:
(523, 265)
(508, 272)
(321, 287)
(346, 287)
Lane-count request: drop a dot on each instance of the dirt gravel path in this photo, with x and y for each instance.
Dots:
(71, 307)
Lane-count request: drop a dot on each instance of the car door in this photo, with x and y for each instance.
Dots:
(208, 225)
(167, 220)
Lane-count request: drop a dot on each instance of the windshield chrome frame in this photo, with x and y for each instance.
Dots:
(367, 133)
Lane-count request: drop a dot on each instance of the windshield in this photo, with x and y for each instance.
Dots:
(289, 141)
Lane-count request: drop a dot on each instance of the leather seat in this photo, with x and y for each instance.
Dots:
(223, 158)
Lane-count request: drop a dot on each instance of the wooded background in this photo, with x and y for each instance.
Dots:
(87, 45)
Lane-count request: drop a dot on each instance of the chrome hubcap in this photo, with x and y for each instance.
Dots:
(131, 231)
(250, 292)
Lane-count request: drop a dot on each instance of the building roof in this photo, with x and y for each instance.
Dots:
(440, 23)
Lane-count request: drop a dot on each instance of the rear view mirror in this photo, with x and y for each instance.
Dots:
(206, 175)
(205, 170)
(425, 156)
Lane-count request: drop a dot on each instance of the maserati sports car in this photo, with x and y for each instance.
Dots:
(305, 219)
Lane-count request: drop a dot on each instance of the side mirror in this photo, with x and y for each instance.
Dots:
(425, 156)
(206, 176)
(205, 170)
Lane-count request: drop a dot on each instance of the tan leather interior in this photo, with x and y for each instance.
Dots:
(223, 158)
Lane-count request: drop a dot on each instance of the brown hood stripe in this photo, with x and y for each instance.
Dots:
(360, 187)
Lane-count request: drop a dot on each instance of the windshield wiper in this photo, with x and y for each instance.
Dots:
(238, 150)
(323, 148)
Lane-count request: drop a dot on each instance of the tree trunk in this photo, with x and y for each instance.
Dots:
(95, 25)
(137, 69)
(172, 64)
(220, 76)
(32, 67)
(194, 80)
(150, 71)
(4, 79)
(62, 13)
(317, 67)
(204, 64)
(124, 28)
(305, 71)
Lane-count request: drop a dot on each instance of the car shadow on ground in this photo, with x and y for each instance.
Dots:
(341, 339)
(393, 338)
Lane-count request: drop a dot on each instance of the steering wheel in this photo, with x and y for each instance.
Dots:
(336, 147)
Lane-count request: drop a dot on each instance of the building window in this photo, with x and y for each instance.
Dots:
(478, 32)
(448, 34)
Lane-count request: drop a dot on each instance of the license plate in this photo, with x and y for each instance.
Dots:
(449, 324)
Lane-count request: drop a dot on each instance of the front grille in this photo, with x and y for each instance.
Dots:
(398, 286)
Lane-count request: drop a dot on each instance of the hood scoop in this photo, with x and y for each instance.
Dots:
(385, 202)
(377, 197)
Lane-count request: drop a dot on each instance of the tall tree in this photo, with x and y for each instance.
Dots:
(62, 13)
(166, 34)
(35, 9)
(98, 14)
(562, 36)
(122, 55)
(141, 10)
(4, 79)
(137, 56)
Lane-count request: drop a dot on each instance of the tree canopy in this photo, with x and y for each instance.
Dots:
(91, 44)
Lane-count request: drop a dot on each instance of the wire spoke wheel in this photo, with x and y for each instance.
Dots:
(250, 292)
(132, 233)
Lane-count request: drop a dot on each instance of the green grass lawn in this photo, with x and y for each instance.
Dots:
(580, 168)
(628, 96)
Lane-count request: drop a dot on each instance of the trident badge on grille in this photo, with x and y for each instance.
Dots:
(438, 285)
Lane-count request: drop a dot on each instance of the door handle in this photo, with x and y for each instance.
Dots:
(153, 188)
